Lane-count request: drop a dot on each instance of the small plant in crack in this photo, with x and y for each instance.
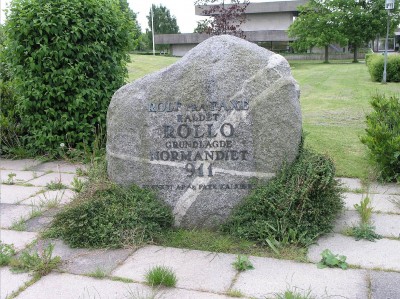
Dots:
(41, 264)
(10, 179)
(365, 230)
(332, 260)
(55, 185)
(242, 263)
(6, 253)
(161, 276)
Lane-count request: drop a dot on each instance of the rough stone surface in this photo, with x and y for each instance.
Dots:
(10, 282)
(239, 97)
(24, 164)
(20, 176)
(386, 225)
(53, 198)
(54, 177)
(195, 270)
(14, 194)
(391, 188)
(385, 285)
(351, 184)
(383, 253)
(103, 260)
(18, 239)
(380, 202)
(9, 214)
(67, 286)
(38, 224)
(58, 166)
(271, 277)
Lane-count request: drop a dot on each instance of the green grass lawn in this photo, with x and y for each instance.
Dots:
(334, 100)
(142, 65)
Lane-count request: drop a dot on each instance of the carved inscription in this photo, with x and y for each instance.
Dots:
(198, 137)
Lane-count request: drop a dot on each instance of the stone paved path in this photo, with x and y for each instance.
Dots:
(27, 206)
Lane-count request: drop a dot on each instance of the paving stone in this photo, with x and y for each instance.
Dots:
(386, 225)
(62, 250)
(383, 253)
(20, 176)
(9, 214)
(380, 202)
(271, 276)
(104, 260)
(24, 164)
(391, 188)
(352, 184)
(54, 177)
(52, 212)
(67, 286)
(11, 282)
(52, 197)
(18, 239)
(385, 285)
(186, 294)
(13, 194)
(38, 224)
(195, 270)
(59, 166)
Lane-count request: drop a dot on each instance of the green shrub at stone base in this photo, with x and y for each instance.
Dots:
(9, 120)
(375, 63)
(298, 205)
(383, 136)
(112, 218)
(67, 58)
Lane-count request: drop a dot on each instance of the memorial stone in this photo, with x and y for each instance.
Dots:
(199, 131)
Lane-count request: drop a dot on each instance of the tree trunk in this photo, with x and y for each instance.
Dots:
(355, 60)
(326, 54)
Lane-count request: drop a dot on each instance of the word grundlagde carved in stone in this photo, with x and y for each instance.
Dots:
(200, 130)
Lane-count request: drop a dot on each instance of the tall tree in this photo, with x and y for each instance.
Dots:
(315, 26)
(360, 21)
(135, 29)
(164, 22)
(224, 18)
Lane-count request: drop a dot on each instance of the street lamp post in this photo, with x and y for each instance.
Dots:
(152, 29)
(389, 4)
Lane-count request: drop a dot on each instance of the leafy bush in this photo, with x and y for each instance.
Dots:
(9, 119)
(375, 63)
(67, 57)
(112, 218)
(383, 136)
(295, 207)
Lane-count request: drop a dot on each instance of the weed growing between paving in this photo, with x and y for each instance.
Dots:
(295, 294)
(294, 208)
(365, 230)
(332, 260)
(161, 276)
(31, 261)
(242, 263)
(6, 253)
(107, 215)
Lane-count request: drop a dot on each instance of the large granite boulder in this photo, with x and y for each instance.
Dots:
(199, 130)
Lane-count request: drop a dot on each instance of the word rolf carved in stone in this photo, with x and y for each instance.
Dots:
(198, 131)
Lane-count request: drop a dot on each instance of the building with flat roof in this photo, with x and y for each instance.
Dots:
(266, 24)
